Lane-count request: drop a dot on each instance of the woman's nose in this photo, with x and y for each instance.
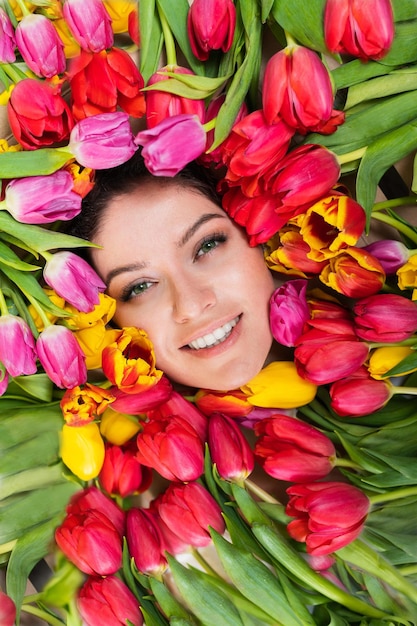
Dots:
(191, 299)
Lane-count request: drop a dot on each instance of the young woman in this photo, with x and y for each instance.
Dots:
(182, 270)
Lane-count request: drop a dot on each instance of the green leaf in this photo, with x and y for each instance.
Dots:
(185, 89)
(303, 20)
(150, 38)
(60, 589)
(167, 601)
(30, 479)
(18, 425)
(404, 9)
(28, 454)
(355, 72)
(8, 257)
(33, 162)
(404, 47)
(37, 386)
(382, 86)
(266, 7)
(404, 366)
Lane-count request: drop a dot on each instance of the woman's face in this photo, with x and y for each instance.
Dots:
(180, 269)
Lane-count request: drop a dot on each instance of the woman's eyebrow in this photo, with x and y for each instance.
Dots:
(206, 217)
(132, 267)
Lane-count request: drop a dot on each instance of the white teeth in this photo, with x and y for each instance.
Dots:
(212, 339)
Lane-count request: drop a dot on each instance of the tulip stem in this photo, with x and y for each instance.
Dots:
(351, 156)
(4, 309)
(47, 617)
(390, 204)
(171, 55)
(412, 391)
(261, 493)
(346, 463)
(412, 341)
(402, 228)
(23, 8)
(204, 564)
(397, 494)
(38, 308)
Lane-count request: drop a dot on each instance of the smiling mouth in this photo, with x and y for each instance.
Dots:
(214, 338)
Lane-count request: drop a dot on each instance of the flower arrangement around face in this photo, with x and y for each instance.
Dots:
(299, 137)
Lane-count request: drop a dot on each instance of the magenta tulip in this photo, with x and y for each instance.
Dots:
(110, 599)
(385, 317)
(189, 510)
(211, 26)
(173, 143)
(7, 610)
(359, 394)
(40, 45)
(329, 515)
(7, 39)
(43, 199)
(390, 253)
(289, 311)
(145, 541)
(229, 449)
(89, 23)
(102, 141)
(362, 29)
(61, 357)
(74, 280)
(17, 346)
(289, 449)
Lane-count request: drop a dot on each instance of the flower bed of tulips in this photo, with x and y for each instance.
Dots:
(291, 501)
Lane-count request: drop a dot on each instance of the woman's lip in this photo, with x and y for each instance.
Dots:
(210, 330)
(220, 347)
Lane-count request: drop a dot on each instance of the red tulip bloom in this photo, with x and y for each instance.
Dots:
(40, 45)
(94, 499)
(38, 114)
(359, 394)
(354, 273)
(89, 23)
(289, 449)
(385, 317)
(287, 93)
(212, 111)
(292, 255)
(232, 403)
(145, 541)
(7, 610)
(329, 515)
(176, 404)
(188, 510)
(122, 474)
(363, 29)
(143, 401)
(229, 449)
(289, 311)
(211, 26)
(101, 82)
(110, 599)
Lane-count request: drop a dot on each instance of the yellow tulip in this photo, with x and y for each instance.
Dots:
(93, 340)
(279, 385)
(103, 311)
(407, 274)
(118, 428)
(56, 300)
(82, 450)
(385, 358)
(119, 12)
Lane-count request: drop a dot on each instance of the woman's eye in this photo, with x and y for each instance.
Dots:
(210, 244)
(136, 290)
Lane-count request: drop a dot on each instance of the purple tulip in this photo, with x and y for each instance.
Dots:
(7, 39)
(73, 279)
(102, 141)
(61, 357)
(89, 23)
(171, 144)
(17, 346)
(40, 45)
(289, 311)
(390, 253)
(43, 199)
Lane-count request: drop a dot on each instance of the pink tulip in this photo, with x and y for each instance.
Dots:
(92, 498)
(43, 199)
(359, 394)
(7, 39)
(40, 45)
(7, 610)
(74, 280)
(287, 93)
(102, 141)
(390, 253)
(362, 29)
(289, 449)
(122, 474)
(385, 317)
(145, 541)
(172, 447)
(289, 311)
(173, 143)
(61, 357)
(329, 515)
(17, 346)
(229, 449)
(89, 23)
(188, 510)
(109, 598)
(211, 26)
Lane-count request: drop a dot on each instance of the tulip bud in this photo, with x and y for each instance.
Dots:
(40, 45)
(17, 346)
(102, 141)
(329, 515)
(109, 598)
(171, 144)
(82, 450)
(232, 403)
(7, 39)
(229, 449)
(118, 428)
(289, 449)
(122, 474)
(385, 317)
(382, 360)
(42, 199)
(176, 404)
(90, 24)
(94, 499)
(359, 394)
(145, 541)
(73, 279)
(61, 357)
(390, 253)
(189, 510)
(289, 311)
(211, 26)
(7, 610)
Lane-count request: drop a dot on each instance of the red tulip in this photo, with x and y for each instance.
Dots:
(38, 114)
(143, 401)
(211, 26)
(214, 106)
(61, 357)
(286, 92)
(289, 449)
(40, 45)
(145, 541)
(122, 474)
(385, 317)
(17, 346)
(176, 404)
(95, 500)
(365, 30)
(354, 273)
(232, 403)
(229, 449)
(292, 255)
(89, 23)
(7, 610)
(110, 599)
(161, 105)
(289, 311)
(359, 394)
(329, 515)
(188, 510)
(7, 39)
